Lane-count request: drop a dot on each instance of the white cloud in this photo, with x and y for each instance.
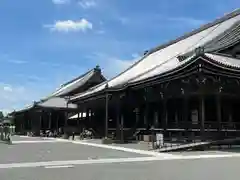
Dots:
(135, 55)
(70, 25)
(100, 32)
(14, 97)
(112, 65)
(60, 2)
(122, 64)
(86, 4)
(115, 66)
(16, 61)
(187, 20)
(10, 96)
(123, 20)
(7, 88)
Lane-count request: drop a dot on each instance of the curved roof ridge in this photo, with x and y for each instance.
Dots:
(162, 47)
(166, 61)
(224, 60)
(75, 79)
(204, 27)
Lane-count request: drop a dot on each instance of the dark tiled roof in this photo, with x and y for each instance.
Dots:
(57, 102)
(57, 99)
(226, 39)
(157, 60)
(74, 84)
(224, 60)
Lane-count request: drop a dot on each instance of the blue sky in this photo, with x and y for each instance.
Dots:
(44, 43)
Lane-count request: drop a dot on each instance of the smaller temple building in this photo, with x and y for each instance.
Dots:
(53, 112)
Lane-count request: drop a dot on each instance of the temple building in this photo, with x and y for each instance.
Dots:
(188, 87)
(53, 112)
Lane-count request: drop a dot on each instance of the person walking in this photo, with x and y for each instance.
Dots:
(73, 135)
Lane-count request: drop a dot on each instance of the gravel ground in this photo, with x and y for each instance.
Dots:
(185, 169)
(220, 169)
(51, 151)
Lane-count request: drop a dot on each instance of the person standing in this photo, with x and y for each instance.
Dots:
(73, 135)
(2, 132)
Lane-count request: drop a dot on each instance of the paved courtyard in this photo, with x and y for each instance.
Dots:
(50, 159)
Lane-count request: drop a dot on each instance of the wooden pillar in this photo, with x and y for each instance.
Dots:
(66, 122)
(137, 112)
(164, 114)
(66, 119)
(202, 115)
(78, 119)
(57, 121)
(122, 128)
(146, 114)
(40, 121)
(118, 121)
(106, 115)
(80, 115)
(31, 124)
(230, 116)
(87, 114)
(185, 119)
(176, 118)
(155, 124)
(219, 111)
(50, 120)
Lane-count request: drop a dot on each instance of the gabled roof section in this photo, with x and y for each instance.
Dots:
(218, 60)
(227, 38)
(26, 108)
(166, 56)
(224, 60)
(58, 98)
(74, 84)
(202, 28)
(57, 102)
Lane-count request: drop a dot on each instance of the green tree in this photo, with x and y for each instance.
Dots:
(1, 116)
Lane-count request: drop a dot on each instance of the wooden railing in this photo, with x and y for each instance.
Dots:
(207, 125)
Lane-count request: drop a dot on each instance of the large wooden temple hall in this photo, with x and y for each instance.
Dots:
(189, 86)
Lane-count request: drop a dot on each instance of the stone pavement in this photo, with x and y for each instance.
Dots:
(49, 159)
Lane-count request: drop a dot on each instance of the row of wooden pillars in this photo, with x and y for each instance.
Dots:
(164, 118)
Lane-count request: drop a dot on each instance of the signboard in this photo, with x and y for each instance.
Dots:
(159, 139)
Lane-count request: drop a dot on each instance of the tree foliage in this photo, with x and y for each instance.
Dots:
(1, 116)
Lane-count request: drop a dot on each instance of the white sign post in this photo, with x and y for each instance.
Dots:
(159, 139)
